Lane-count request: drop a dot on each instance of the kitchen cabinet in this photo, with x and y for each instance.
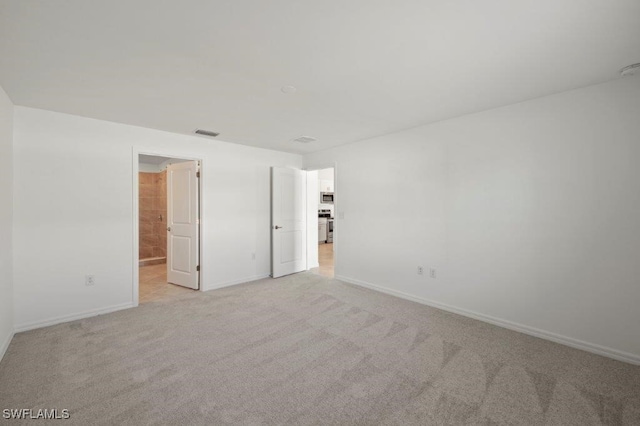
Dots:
(325, 185)
(322, 231)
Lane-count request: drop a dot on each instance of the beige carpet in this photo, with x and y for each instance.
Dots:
(302, 350)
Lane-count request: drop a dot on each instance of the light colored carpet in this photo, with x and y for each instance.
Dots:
(305, 349)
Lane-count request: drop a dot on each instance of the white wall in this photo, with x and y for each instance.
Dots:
(529, 214)
(149, 168)
(6, 221)
(157, 168)
(325, 174)
(73, 212)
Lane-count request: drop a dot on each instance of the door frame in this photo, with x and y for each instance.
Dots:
(336, 221)
(169, 153)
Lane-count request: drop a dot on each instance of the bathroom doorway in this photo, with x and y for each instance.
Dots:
(157, 280)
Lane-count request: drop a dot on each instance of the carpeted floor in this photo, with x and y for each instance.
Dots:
(306, 349)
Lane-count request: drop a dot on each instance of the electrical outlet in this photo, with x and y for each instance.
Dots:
(432, 272)
(420, 270)
(89, 280)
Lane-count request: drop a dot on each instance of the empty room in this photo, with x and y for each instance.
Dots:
(342, 213)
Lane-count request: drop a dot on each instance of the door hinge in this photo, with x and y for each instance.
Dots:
(198, 268)
(198, 174)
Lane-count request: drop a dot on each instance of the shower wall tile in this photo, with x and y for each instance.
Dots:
(153, 214)
(161, 203)
(147, 178)
(146, 252)
(147, 216)
(147, 203)
(149, 240)
(159, 229)
(147, 191)
(146, 228)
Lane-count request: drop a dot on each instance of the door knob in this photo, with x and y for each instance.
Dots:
(278, 227)
(168, 228)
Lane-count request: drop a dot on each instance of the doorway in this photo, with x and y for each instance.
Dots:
(168, 197)
(325, 196)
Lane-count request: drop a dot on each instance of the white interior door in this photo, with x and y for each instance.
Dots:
(288, 221)
(183, 233)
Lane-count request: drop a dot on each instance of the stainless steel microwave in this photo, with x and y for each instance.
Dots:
(326, 198)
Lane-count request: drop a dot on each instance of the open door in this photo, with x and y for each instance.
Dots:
(288, 221)
(183, 234)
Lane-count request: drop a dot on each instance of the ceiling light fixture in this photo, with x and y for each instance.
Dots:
(208, 133)
(630, 70)
(288, 89)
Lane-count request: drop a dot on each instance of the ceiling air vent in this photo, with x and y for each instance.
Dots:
(206, 133)
(305, 139)
(630, 70)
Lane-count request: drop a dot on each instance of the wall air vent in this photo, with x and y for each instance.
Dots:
(305, 139)
(206, 133)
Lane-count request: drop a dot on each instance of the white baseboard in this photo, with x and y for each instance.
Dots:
(547, 335)
(66, 318)
(5, 345)
(216, 286)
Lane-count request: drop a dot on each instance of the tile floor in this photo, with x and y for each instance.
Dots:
(154, 286)
(325, 258)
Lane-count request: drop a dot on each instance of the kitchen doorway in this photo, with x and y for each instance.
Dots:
(322, 199)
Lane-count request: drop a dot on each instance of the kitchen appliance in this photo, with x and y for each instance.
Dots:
(326, 198)
(322, 230)
(325, 228)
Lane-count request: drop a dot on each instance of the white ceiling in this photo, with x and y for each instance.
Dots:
(362, 67)
(151, 159)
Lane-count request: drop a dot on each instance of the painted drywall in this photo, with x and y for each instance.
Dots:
(6, 221)
(325, 174)
(527, 213)
(157, 168)
(74, 211)
(149, 168)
